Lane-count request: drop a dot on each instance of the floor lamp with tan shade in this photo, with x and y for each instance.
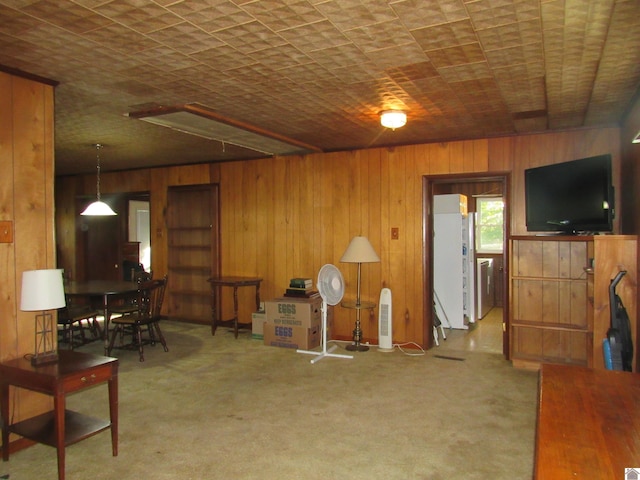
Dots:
(359, 251)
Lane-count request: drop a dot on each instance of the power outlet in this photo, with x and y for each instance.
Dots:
(395, 233)
(6, 231)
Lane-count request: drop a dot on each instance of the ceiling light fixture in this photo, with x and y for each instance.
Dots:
(98, 208)
(393, 119)
(199, 120)
(636, 139)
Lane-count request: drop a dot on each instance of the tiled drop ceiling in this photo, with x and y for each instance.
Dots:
(319, 71)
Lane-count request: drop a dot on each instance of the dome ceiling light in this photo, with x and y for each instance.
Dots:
(393, 119)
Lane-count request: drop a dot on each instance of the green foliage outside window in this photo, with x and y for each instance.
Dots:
(490, 225)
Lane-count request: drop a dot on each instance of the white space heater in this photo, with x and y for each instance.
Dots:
(385, 326)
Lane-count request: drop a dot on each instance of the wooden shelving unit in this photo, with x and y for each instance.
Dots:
(192, 225)
(559, 296)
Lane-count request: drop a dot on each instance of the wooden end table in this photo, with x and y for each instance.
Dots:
(74, 371)
(235, 283)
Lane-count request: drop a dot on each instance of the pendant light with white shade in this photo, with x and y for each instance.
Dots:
(98, 208)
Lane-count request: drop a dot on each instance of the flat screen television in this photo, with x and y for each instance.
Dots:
(575, 197)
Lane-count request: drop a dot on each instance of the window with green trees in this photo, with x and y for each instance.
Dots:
(489, 225)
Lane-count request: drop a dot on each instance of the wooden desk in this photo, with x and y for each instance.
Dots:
(104, 289)
(235, 283)
(588, 423)
(74, 371)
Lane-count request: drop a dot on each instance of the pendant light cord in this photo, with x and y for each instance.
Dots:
(98, 147)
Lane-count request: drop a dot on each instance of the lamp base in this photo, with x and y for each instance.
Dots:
(357, 347)
(44, 359)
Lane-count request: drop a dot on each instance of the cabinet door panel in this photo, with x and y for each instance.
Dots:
(527, 342)
(579, 303)
(550, 301)
(527, 295)
(528, 259)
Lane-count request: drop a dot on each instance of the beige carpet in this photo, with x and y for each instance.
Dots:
(221, 408)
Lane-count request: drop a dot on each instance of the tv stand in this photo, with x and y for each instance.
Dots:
(559, 296)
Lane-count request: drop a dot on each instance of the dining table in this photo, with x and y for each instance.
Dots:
(105, 290)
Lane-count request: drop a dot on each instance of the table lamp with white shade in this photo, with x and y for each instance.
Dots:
(43, 290)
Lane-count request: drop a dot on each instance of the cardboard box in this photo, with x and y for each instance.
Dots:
(257, 324)
(294, 312)
(286, 336)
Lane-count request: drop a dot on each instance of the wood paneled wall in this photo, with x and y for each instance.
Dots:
(630, 181)
(287, 216)
(27, 202)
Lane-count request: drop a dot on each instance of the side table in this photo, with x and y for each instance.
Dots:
(235, 283)
(72, 372)
(356, 346)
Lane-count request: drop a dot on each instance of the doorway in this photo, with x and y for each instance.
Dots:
(473, 186)
(104, 243)
(140, 230)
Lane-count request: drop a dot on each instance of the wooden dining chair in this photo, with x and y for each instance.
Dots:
(74, 319)
(146, 316)
(129, 304)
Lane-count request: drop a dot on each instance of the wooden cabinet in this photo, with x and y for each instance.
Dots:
(192, 227)
(131, 252)
(559, 296)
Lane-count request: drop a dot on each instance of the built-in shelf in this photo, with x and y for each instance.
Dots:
(193, 253)
(191, 268)
(559, 296)
(193, 293)
(556, 326)
(191, 247)
(186, 230)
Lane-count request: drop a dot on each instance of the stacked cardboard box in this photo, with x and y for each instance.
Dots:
(294, 322)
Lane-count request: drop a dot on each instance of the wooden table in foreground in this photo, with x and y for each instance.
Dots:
(74, 371)
(235, 283)
(588, 423)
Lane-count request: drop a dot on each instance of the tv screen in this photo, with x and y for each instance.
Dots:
(570, 197)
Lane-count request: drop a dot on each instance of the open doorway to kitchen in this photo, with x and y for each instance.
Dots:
(104, 245)
(487, 330)
(139, 230)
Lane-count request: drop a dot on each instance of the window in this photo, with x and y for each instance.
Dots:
(489, 225)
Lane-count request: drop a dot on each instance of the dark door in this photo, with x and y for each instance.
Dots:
(102, 248)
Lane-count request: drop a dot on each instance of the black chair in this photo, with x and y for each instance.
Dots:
(146, 316)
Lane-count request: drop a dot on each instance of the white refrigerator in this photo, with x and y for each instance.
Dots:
(453, 261)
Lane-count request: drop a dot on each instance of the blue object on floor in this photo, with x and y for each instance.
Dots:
(606, 349)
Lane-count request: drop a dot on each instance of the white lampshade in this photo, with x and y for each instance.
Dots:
(42, 290)
(393, 119)
(98, 209)
(360, 251)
